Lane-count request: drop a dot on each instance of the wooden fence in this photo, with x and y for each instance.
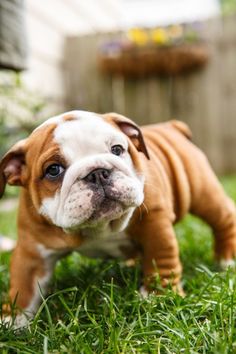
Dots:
(205, 99)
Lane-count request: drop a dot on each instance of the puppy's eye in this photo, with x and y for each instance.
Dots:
(117, 150)
(54, 171)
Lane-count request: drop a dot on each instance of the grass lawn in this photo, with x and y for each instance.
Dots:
(94, 306)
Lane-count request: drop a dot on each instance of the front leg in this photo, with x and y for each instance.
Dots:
(160, 251)
(30, 273)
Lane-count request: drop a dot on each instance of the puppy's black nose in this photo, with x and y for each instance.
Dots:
(98, 176)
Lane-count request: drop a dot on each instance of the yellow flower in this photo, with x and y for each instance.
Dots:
(160, 36)
(138, 36)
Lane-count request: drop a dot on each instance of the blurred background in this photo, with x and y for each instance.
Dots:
(152, 60)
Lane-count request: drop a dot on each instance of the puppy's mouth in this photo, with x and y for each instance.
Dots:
(91, 205)
(108, 209)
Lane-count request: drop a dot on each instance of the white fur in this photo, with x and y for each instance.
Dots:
(86, 144)
(143, 292)
(105, 246)
(40, 288)
(225, 263)
(6, 244)
(59, 118)
(56, 207)
(89, 134)
(40, 284)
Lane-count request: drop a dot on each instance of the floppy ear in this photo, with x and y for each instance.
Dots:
(131, 129)
(11, 166)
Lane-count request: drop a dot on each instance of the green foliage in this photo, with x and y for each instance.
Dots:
(95, 306)
(8, 223)
(20, 110)
(228, 7)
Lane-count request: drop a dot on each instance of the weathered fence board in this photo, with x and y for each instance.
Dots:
(205, 99)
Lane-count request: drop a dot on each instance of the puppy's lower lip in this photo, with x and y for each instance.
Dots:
(113, 200)
(109, 198)
(108, 206)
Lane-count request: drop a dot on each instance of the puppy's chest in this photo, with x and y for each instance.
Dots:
(111, 246)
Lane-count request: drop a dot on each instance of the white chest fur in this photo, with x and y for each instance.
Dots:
(109, 247)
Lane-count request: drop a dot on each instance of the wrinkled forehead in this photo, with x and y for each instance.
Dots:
(77, 133)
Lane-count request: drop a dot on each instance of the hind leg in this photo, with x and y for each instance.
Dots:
(213, 206)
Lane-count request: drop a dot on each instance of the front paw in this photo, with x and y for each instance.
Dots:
(154, 285)
(10, 319)
(17, 322)
(227, 263)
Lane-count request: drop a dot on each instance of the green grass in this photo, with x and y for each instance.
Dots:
(94, 306)
(8, 223)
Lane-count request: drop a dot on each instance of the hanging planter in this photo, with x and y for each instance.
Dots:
(169, 51)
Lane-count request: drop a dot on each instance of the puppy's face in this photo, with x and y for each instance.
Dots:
(79, 170)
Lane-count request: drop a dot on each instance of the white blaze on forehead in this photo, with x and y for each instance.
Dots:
(87, 135)
(60, 118)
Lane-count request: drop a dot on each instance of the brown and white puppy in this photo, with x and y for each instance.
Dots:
(103, 186)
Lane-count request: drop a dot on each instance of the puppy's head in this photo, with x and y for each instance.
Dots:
(80, 169)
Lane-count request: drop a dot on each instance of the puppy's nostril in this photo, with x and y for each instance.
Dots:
(92, 177)
(98, 176)
(105, 174)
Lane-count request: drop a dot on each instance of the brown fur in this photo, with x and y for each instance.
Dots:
(178, 180)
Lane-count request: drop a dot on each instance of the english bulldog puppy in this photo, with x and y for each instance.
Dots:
(102, 186)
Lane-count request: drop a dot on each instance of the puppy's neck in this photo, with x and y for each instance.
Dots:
(99, 232)
(103, 230)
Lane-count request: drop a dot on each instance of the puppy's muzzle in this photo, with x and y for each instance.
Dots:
(99, 176)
